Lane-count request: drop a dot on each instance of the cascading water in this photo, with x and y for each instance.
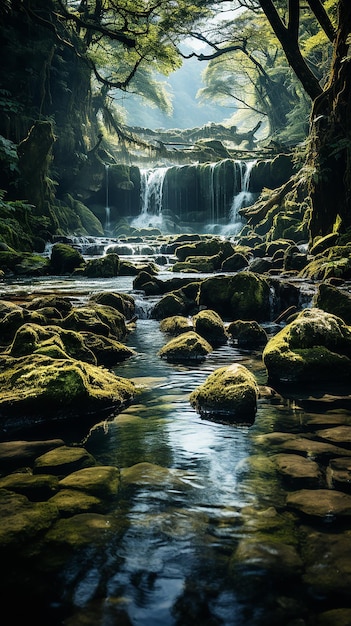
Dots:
(151, 198)
(202, 197)
(107, 207)
(242, 199)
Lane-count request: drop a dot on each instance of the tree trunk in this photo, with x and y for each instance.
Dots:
(330, 152)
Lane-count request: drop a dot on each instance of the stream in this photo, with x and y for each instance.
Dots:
(209, 493)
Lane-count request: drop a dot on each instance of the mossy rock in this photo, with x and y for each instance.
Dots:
(63, 460)
(333, 300)
(169, 305)
(65, 259)
(242, 296)
(210, 326)
(334, 262)
(122, 302)
(235, 263)
(107, 351)
(314, 347)
(228, 393)
(50, 340)
(32, 265)
(98, 319)
(103, 267)
(101, 481)
(35, 488)
(37, 388)
(70, 502)
(186, 347)
(23, 521)
(60, 303)
(247, 334)
(176, 325)
(13, 320)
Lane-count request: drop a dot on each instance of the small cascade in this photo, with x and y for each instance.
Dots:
(107, 207)
(241, 199)
(151, 198)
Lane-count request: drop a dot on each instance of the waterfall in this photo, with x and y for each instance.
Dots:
(196, 197)
(244, 197)
(151, 198)
(107, 208)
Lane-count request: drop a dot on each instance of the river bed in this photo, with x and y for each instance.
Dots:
(205, 537)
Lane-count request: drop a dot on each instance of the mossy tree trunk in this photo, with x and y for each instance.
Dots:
(330, 153)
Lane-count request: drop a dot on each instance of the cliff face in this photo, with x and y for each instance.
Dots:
(46, 120)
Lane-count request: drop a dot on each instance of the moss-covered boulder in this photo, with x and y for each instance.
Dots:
(314, 347)
(65, 259)
(51, 341)
(247, 334)
(186, 347)
(235, 263)
(335, 262)
(59, 303)
(229, 393)
(176, 325)
(37, 388)
(210, 326)
(13, 320)
(98, 319)
(107, 350)
(169, 305)
(104, 267)
(243, 296)
(334, 300)
(122, 302)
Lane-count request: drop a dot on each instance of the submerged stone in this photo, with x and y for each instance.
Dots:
(323, 503)
(21, 520)
(229, 393)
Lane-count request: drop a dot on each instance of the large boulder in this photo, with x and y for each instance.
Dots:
(243, 296)
(229, 393)
(37, 388)
(334, 300)
(314, 347)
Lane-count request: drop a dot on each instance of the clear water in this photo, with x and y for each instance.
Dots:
(207, 493)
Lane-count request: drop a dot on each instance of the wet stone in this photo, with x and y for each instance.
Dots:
(327, 563)
(298, 470)
(324, 503)
(339, 434)
(339, 474)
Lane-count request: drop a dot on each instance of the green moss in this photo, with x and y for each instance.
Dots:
(34, 383)
(230, 392)
(209, 325)
(176, 325)
(187, 346)
(315, 346)
(65, 259)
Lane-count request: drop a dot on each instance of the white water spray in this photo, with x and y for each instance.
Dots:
(151, 195)
(107, 208)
